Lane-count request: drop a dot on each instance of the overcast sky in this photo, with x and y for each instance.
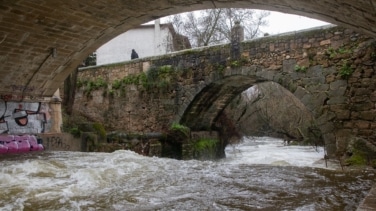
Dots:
(282, 22)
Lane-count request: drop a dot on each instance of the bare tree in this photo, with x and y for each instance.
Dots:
(210, 27)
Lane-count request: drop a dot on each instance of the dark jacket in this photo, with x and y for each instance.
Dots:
(134, 55)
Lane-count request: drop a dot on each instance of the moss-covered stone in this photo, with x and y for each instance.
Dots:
(205, 149)
(100, 130)
(356, 159)
(360, 152)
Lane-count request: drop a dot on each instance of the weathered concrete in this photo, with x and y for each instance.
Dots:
(60, 142)
(329, 69)
(42, 41)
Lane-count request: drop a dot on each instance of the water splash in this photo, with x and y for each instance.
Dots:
(250, 178)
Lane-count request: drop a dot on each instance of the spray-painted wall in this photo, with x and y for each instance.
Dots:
(28, 116)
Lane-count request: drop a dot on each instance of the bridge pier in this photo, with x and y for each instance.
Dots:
(205, 145)
(200, 145)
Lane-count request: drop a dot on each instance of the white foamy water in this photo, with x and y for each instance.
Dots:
(273, 151)
(259, 173)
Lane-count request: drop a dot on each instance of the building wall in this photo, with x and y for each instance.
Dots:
(146, 40)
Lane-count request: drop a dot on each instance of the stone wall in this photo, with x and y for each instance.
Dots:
(329, 69)
(60, 142)
(41, 45)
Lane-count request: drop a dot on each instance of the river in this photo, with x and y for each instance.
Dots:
(258, 174)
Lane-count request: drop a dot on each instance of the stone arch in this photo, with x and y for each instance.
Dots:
(30, 40)
(212, 99)
(268, 109)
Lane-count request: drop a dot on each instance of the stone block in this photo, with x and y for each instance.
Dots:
(343, 138)
(362, 124)
(317, 88)
(325, 42)
(342, 114)
(325, 118)
(337, 100)
(314, 80)
(362, 91)
(336, 92)
(155, 148)
(348, 124)
(327, 127)
(307, 45)
(330, 78)
(359, 99)
(367, 115)
(337, 84)
(330, 144)
(288, 65)
(373, 125)
(363, 106)
(365, 133)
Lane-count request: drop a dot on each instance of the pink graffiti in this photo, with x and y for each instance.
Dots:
(19, 144)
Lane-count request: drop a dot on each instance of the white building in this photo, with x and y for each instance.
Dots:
(147, 40)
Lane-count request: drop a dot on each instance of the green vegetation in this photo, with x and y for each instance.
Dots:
(75, 132)
(99, 128)
(301, 69)
(360, 152)
(205, 149)
(237, 63)
(342, 50)
(220, 68)
(334, 52)
(160, 77)
(71, 124)
(134, 79)
(345, 71)
(357, 159)
(156, 77)
(91, 141)
(205, 144)
(91, 85)
(181, 128)
(331, 52)
(234, 64)
(116, 84)
(138, 79)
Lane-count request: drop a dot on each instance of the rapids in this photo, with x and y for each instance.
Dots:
(258, 174)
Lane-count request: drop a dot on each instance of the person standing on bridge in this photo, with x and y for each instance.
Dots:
(134, 54)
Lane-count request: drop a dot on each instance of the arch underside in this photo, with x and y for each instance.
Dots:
(210, 102)
(31, 31)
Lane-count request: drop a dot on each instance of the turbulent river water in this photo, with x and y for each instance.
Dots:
(258, 174)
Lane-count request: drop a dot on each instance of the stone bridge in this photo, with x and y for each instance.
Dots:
(330, 69)
(42, 41)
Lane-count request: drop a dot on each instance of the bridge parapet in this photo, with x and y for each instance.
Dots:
(329, 69)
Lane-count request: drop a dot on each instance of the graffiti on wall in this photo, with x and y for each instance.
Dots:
(56, 142)
(22, 117)
(17, 144)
